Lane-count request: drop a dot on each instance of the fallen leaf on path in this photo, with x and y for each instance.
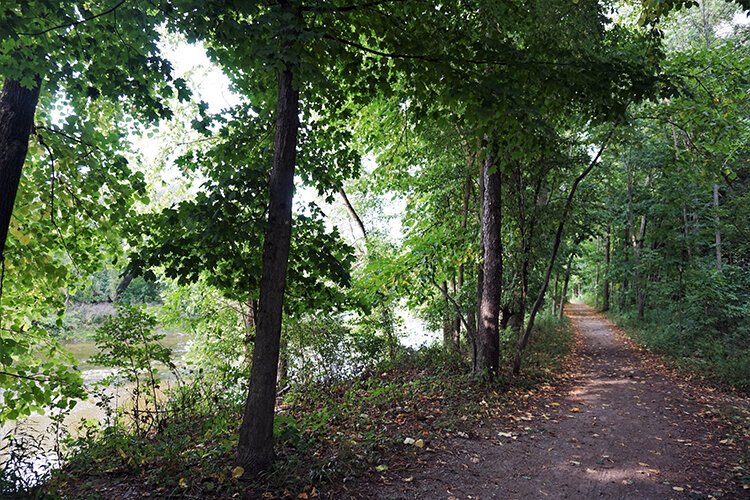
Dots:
(575, 409)
(237, 472)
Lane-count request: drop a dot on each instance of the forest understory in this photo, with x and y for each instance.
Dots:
(338, 248)
(606, 419)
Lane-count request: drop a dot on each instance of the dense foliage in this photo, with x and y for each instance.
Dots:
(380, 171)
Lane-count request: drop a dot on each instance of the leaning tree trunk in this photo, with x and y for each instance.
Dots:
(488, 339)
(17, 107)
(255, 449)
(524, 340)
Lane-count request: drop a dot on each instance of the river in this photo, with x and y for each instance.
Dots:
(39, 427)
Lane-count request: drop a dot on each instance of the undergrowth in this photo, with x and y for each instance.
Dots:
(324, 432)
(721, 357)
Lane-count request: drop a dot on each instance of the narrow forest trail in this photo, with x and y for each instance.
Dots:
(622, 429)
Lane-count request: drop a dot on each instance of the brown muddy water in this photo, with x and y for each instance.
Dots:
(40, 427)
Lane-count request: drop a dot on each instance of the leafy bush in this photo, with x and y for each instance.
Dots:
(128, 343)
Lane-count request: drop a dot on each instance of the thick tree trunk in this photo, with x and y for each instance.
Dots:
(488, 340)
(250, 316)
(480, 265)
(607, 258)
(17, 108)
(255, 450)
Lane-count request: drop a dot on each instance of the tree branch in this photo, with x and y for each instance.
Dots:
(76, 23)
(452, 301)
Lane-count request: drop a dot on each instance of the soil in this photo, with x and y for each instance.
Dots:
(623, 426)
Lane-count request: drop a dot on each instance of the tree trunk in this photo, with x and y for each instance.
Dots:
(564, 296)
(624, 299)
(488, 340)
(456, 325)
(447, 319)
(255, 450)
(638, 285)
(524, 340)
(596, 284)
(353, 213)
(554, 293)
(250, 317)
(17, 108)
(480, 265)
(607, 258)
(718, 231)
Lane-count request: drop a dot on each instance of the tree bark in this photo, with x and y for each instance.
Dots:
(480, 264)
(250, 317)
(353, 213)
(17, 108)
(255, 449)
(447, 319)
(624, 296)
(488, 340)
(564, 296)
(607, 258)
(456, 325)
(718, 230)
(554, 292)
(638, 285)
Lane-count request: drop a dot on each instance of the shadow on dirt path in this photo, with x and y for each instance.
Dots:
(622, 430)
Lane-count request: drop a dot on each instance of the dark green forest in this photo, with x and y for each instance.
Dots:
(268, 249)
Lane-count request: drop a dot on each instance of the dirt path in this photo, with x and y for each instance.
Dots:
(623, 430)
